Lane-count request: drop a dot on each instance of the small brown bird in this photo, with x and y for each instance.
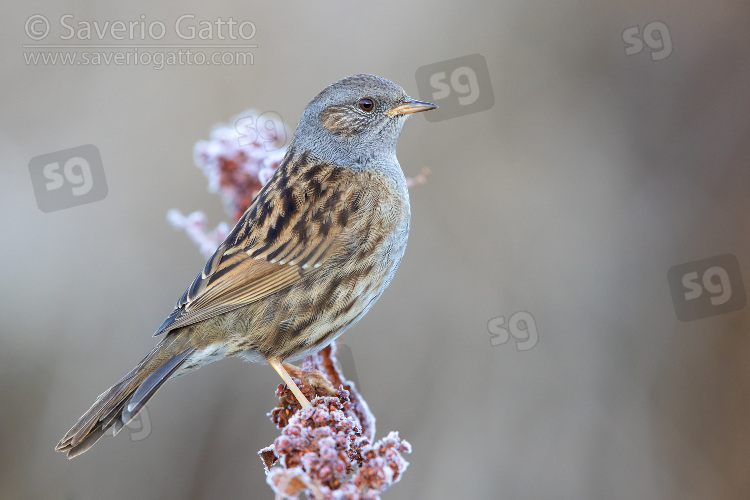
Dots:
(310, 256)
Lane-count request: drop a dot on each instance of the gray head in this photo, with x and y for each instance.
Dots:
(356, 121)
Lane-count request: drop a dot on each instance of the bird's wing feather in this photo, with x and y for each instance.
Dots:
(296, 222)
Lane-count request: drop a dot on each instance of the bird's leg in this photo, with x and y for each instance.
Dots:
(276, 363)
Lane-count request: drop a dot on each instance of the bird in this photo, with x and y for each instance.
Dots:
(309, 257)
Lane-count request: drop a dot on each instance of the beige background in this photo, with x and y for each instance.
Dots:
(592, 175)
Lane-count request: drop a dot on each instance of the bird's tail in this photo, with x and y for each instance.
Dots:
(122, 402)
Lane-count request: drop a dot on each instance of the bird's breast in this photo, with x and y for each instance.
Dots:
(370, 212)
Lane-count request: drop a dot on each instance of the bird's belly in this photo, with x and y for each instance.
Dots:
(306, 317)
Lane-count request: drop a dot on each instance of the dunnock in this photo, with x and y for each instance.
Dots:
(310, 256)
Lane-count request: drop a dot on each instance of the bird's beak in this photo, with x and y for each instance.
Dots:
(409, 106)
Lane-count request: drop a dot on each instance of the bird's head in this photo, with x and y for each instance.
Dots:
(356, 121)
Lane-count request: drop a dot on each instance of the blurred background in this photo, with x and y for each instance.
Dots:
(600, 145)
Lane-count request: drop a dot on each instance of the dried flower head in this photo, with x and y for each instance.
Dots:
(240, 157)
(238, 160)
(323, 450)
(195, 227)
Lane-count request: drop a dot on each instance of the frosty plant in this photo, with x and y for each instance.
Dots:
(237, 160)
(328, 450)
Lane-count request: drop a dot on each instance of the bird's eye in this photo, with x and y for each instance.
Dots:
(366, 104)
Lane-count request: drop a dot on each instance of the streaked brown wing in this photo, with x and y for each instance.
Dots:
(295, 223)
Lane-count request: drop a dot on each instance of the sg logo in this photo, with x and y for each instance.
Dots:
(707, 287)
(345, 357)
(68, 178)
(661, 46)
(521, 326)
(138, 429)
(458, 86)
(267, 128)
